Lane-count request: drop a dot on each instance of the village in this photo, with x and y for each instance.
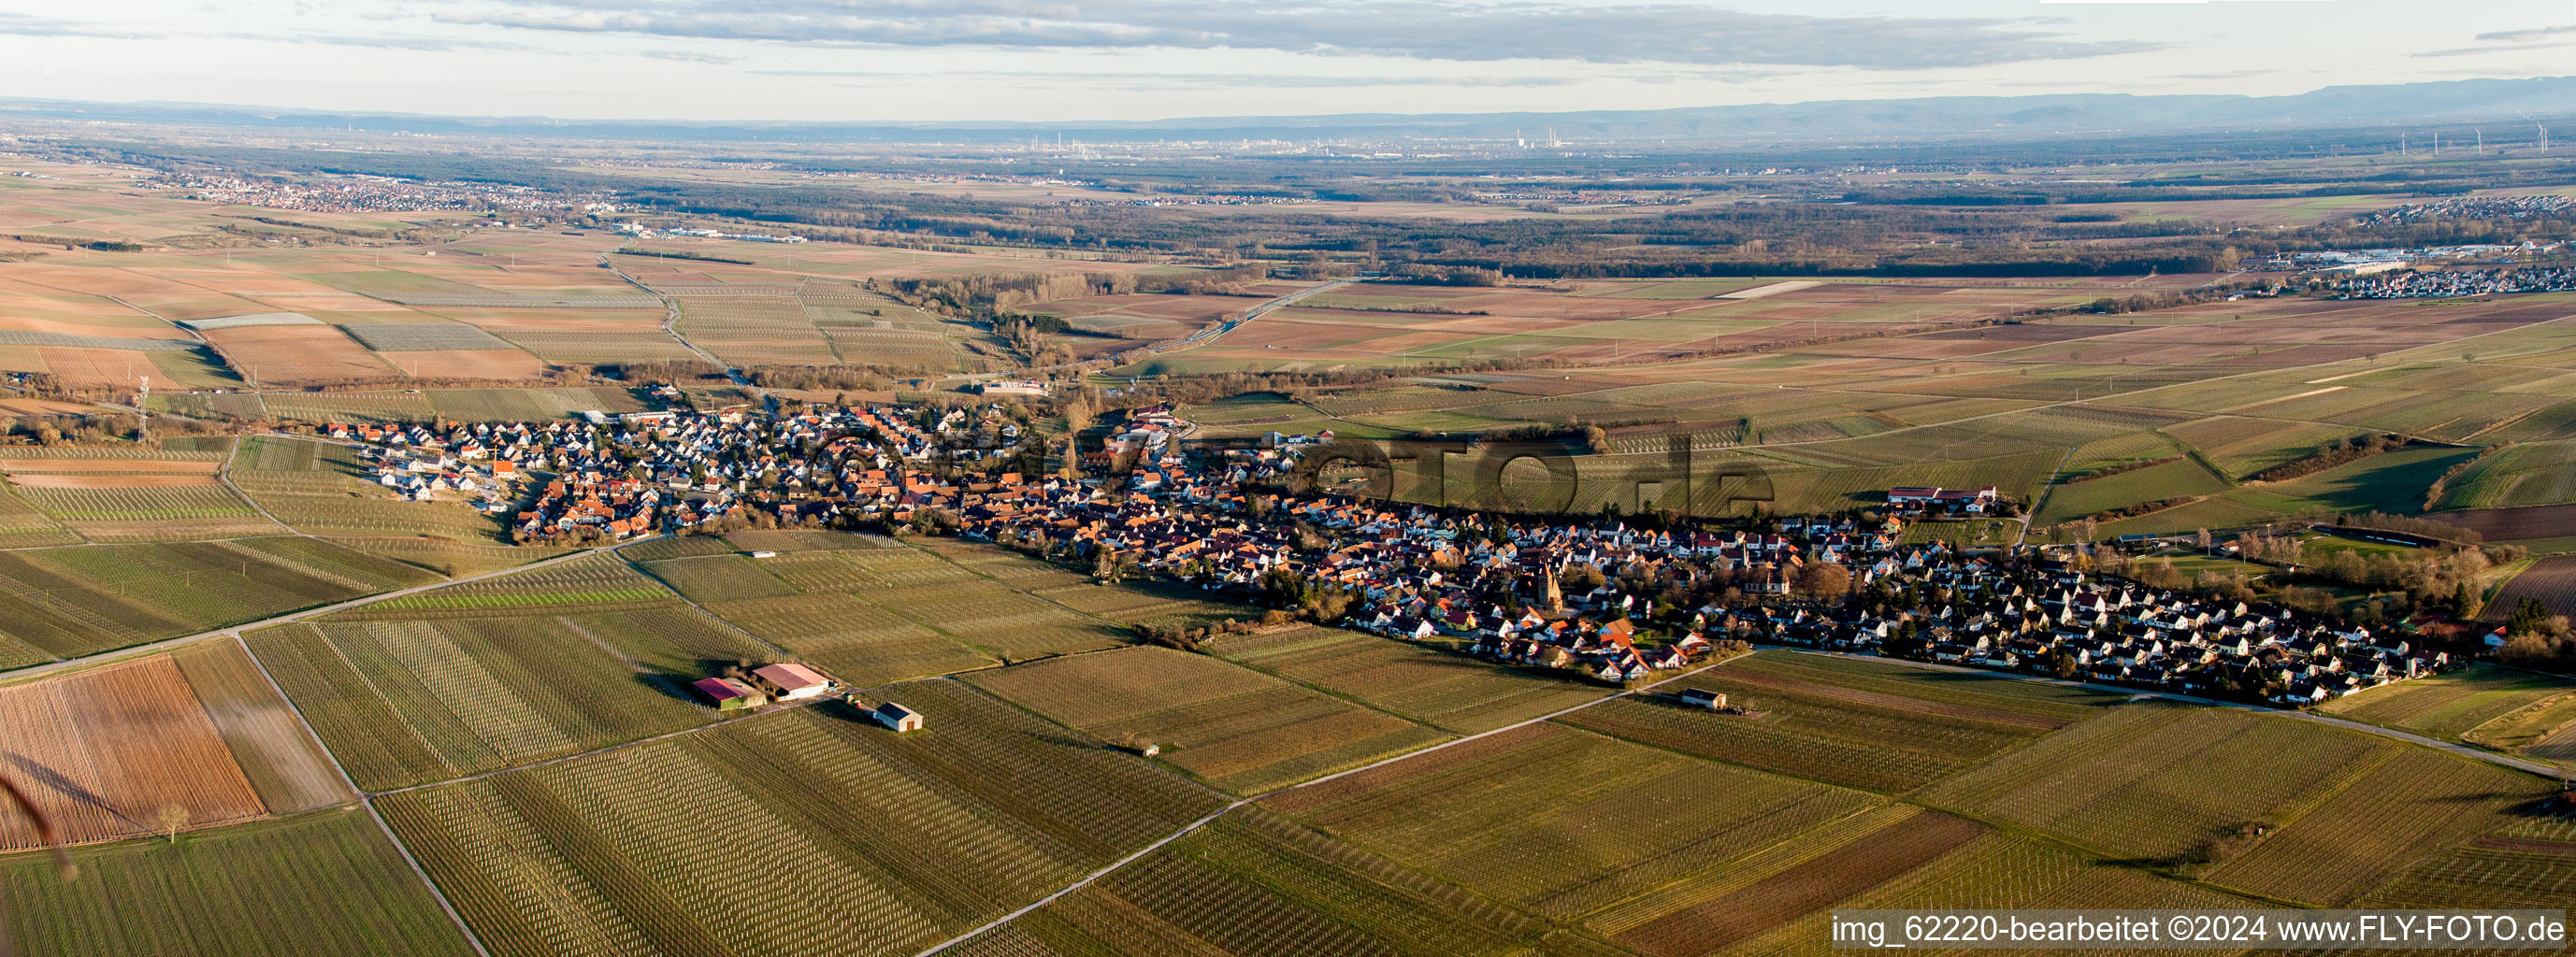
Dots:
(1596, 597)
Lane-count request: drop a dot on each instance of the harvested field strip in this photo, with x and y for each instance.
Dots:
(2550, 581)
(998, 810)
(1517, 815)
(2134, 782)
(991, 618)
(798, 540)
(1784, 680)
(446, 557)
(2418, 802)
(103, 750)
(1807, 887)
(1255, 885)
(1990, 692)
(18, 466)
(1892, 753)
(851, 639)
(2474, 876)
(11, 455)
(1238, 729)
(720, 577)
(81, 600)
(423, 337)
(252, 319)
(1997, 871)
(21, 337)
(404, 703)
(596, 582)
(1855, 723)
(1736, 875)
(111, 480)
(282, 761)
(1440, 688)
(521, 301)
(318, 885)
(355, 570)
(354, 407)
(685, 546)
(2448, 705)
(1142, 603)
(343, 514)
(132, 503)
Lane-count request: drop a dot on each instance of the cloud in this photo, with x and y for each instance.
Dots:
(688, 56)
(2512, 36)
(2511, 41)
(381, 41)
(1167, 81)
(21, 25)
(1463, 30)
(2484, 51)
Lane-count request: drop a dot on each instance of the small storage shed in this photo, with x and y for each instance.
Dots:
(1703, 698)
(727, 694)
(898, 717)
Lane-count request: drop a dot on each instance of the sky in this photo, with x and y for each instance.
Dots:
(949, 60)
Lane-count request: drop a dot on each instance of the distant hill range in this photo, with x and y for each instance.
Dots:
(2450, 104)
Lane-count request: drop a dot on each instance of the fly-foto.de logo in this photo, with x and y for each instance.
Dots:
(1538, 476)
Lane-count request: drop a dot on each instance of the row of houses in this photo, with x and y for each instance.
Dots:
(1647, 599)
(647, 472)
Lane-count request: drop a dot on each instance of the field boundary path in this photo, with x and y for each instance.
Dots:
(1218, 330)
(1193, 340)
(1192, 827)
(2464, 750)
(671, 321)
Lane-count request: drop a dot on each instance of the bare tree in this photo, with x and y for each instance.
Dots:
(172, 817)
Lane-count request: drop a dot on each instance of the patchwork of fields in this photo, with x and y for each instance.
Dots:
(531, 741)
(809, 856)
(107, 752)
(1628, 826)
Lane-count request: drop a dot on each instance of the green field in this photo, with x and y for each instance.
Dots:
(1518, 816)
(2392, 482)
(2489, 705)
(1849, 722)
(1441, 688)
(267, 464)
(2414, 803)
(2181, 478)
(79, 600)
(326, 883)
(2530, 862)
(2135, 783)
(1237, 729)
(405, 702)
(2538, 473)
(1256, 885)
(367, 515)
(590, 583)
